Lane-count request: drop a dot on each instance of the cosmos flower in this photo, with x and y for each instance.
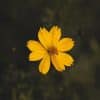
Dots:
(51, 49)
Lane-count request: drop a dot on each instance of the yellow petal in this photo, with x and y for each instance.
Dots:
(37, 55)
(34, 46)
(57, 62)
(56, 34)
(44, 65)
(66, 59)
(65, 44)
(44, 37)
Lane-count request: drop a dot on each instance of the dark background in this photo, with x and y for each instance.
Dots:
(20, 21)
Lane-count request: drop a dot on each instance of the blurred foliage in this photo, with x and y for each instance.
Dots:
(20, 21)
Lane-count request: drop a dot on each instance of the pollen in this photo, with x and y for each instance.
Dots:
(52, 51)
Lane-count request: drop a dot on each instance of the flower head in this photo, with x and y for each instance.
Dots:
(51, 49)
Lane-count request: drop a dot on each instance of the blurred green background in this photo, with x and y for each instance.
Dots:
(20, 21)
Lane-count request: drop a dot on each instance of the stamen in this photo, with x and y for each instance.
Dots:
(53, 50)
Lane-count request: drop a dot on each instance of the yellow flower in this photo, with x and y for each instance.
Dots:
(51, 48)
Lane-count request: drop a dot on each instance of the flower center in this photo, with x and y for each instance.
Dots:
(53, 50)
